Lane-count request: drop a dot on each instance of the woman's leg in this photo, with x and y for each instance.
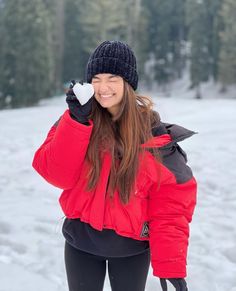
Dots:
(85, 272)
(129, 273)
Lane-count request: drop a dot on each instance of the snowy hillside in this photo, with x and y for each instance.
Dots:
(31, 244)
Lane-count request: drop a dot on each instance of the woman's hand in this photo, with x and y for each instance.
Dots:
(179, 284)
(77, 111)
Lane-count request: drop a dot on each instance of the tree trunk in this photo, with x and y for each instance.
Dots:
(59, 43)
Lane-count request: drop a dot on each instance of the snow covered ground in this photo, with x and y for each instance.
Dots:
(31, 244)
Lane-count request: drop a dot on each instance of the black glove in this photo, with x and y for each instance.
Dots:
(78, 112)
(179, 284)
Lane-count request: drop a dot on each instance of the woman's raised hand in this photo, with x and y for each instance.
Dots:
(79, 100)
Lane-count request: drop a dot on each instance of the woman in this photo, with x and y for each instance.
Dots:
(128, 195)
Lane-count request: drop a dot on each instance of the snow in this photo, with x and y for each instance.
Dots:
(31, 243)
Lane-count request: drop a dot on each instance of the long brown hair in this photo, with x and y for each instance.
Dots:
(122, 136)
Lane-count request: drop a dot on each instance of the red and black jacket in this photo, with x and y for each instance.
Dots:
(159, 209)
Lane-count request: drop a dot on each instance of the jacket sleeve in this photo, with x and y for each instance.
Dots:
(171, 207)
(59, 159)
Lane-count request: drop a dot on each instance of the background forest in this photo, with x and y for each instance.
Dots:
(45, 43)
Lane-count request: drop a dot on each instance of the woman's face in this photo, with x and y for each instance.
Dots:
(109, 91)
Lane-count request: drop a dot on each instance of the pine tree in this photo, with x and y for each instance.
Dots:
(214, 26)
(56, 11)
(177, 37)
(135, 32)
(102, 20)
(75, 55)
(227, 65)
(200, 20)
(26, 69)
(166, 34)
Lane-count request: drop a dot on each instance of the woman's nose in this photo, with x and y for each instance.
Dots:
(103, 87)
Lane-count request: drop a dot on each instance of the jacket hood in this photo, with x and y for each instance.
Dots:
(165, 134)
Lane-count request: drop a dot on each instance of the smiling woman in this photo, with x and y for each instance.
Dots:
(109, 91)
(128, 194)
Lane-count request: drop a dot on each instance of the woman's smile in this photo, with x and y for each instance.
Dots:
(106, 96)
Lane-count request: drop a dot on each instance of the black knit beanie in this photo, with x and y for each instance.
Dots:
(114, 57)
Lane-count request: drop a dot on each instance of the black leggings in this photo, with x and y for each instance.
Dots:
(86, 272)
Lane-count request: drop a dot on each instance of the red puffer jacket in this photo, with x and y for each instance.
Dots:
(160, 208)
